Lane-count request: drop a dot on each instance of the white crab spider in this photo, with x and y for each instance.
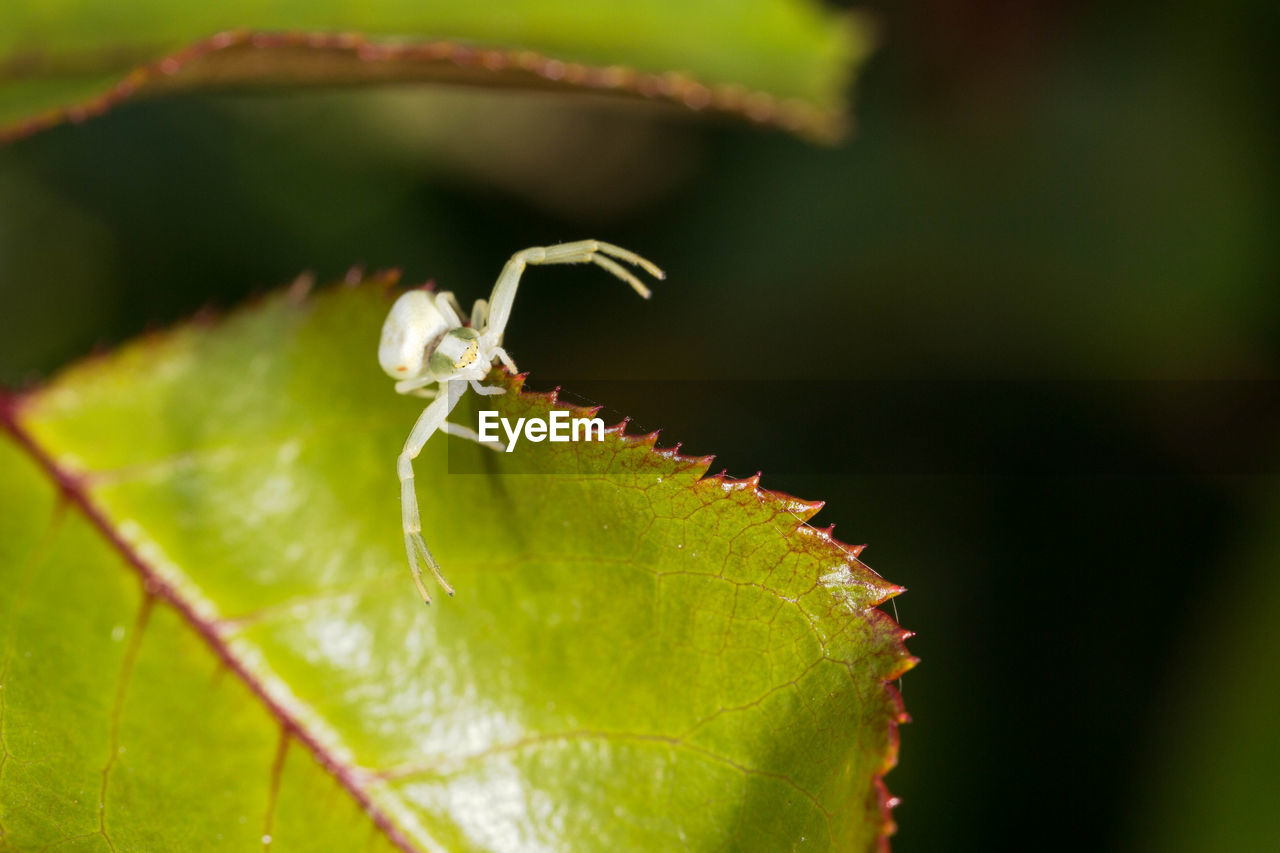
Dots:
(425, 344)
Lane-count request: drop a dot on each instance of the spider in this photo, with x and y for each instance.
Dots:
(428, 349)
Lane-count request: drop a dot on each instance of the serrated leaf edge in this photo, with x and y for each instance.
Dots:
(803, 510)
(72, 488)
(672, 87)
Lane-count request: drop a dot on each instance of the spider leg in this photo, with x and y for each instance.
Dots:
(461, 431)
(449, 307)
(581, 252)
(604, 263)
(431, 419)
(584, 250)
(486, 390)
(506, 359)
(416, 387)
(479, 314)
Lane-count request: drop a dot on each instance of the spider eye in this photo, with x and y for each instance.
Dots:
(457, 350)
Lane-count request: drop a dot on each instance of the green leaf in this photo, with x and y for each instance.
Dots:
(1210, 781)
(210, 634)
(786, 62)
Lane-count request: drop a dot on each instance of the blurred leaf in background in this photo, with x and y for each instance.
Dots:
(786, 62)
(1212, 755)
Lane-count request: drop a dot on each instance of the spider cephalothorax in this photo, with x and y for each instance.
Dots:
(425, 346)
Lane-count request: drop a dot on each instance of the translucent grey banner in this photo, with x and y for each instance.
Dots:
(931, 428)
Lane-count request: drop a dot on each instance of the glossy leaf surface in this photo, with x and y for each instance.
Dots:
(210, 639)
(786, 62)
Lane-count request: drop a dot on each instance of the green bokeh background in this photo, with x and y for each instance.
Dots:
(1035, 191)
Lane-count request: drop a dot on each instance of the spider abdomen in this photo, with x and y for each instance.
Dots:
(413, 329)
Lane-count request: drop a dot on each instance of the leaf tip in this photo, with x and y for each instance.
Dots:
(800, 508)
(649, 440)
(206, 315)
(300, 288)
(388, 277)
(516, 381)
(672, 453)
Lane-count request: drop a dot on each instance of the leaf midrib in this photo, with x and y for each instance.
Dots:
(73, 490)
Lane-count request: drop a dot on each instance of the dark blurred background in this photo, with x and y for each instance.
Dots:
(1020, 333)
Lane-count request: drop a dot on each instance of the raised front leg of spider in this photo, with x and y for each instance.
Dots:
(426, 346)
